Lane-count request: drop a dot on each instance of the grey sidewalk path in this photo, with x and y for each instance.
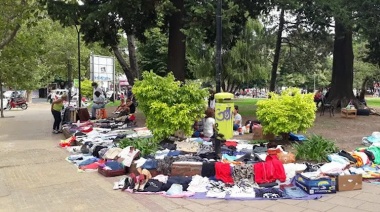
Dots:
(35, 177)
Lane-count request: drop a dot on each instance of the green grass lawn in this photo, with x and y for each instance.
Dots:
(373, 102)
(247, 107)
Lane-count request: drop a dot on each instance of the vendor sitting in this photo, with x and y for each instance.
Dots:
(125, 116)
(209, 123)
(131, 105)
(99, 102)
(318, 97)
(121, 107)
(237, 118)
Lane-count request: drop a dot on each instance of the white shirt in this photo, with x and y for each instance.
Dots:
(238, 118)
(208, 127)
(97, 89)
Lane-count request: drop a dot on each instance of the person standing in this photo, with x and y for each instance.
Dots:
(211, 99)
(56, 108)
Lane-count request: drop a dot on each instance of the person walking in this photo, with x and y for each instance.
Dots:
(56, 108)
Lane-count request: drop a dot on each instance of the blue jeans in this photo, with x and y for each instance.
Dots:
(94, 108)
(236, 127)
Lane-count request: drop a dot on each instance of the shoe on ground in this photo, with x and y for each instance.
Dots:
(55, 131)
(115, 185)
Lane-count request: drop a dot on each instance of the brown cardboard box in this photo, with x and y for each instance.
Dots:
(258, 133)
(349, 182)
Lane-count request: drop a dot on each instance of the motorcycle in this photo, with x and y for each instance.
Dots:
(17, 103)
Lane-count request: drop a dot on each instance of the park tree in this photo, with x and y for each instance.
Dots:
(246, 61)
(13, 15)
(365, 72)
(106, 22)
(346, 18)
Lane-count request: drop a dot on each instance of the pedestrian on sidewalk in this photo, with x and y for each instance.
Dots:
(56, 108)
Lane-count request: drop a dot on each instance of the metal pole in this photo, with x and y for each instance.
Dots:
(218, 73)
(79, 74)
(69, 70)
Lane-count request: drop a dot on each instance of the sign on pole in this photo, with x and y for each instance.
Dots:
(103, 71)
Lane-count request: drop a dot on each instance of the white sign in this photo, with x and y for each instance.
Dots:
(103, 70)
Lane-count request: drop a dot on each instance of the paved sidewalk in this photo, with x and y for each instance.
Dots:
(35, 177)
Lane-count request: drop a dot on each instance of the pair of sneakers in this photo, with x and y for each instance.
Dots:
(57, 131)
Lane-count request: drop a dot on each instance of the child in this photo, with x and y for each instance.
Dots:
(209, 124)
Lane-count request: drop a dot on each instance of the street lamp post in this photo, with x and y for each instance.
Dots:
(218, 73)
(79, 74)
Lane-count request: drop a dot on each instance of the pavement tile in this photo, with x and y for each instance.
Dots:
(197, 207)
(349, 194)
(369, 206)
(343, 209)
(290, 202)
(181, 210)
(316, 205)
(260, 204)
(326, 197)
(371, 188)
(206, 201)
(284, 207)
(367, 197)
(345, 201)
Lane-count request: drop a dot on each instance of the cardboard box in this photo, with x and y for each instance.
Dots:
(316, 186)
(257, 133)
(349, 182)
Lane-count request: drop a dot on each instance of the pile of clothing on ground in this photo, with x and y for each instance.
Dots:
(240, 171)
(232, 169)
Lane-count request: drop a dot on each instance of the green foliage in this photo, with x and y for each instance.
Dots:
(316, 148)
(289, 112)
(86, 88)
(168, 105)
(146, 145)
(153, 53)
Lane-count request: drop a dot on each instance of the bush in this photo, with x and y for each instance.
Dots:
(145, 145)
(316, 148)
(169, 105)
(289, 112)
(86, 88)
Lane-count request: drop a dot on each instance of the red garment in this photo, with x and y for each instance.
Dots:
(269, 171)
(223, 172)
(93, 165)
(231, 143)
(132, 117)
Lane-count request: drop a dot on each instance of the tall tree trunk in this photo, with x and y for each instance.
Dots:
(177, 42)
(124, 65)
(341, 91)
(277, 52)
(132, 56)
(363, 89)
(29, 96)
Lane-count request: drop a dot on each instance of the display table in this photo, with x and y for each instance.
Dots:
(348, 113)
